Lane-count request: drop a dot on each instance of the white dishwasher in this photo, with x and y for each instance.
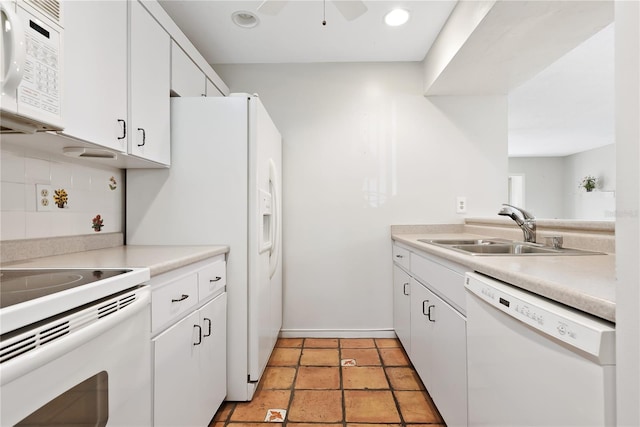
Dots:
(535, 362)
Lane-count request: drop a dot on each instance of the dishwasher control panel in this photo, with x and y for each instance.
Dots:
(580, 330)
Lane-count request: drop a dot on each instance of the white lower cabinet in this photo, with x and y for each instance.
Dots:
(189, 348)
(421, 332)
(175, 373)
(432, 327)
(439, 352)
(190, 367)
(402, 306)
(212, 363)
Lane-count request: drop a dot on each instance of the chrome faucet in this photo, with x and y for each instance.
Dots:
(524, 219)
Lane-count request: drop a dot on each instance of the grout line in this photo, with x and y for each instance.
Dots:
(391, 388)
(292, 388)
(341, 384)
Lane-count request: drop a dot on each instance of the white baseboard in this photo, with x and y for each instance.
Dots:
(337, 333)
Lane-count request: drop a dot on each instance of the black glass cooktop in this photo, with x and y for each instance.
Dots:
(18, 286)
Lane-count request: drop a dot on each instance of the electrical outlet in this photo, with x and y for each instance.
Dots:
(461, 204)
(44, 197)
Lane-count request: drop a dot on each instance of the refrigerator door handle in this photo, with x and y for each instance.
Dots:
(274, 252)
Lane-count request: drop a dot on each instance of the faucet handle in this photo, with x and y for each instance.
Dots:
(554, 241)
(525, 214)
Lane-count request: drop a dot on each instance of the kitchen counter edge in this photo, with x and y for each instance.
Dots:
(157, 258)
(586, 283)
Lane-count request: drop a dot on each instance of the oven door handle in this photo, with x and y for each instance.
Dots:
(32, 360)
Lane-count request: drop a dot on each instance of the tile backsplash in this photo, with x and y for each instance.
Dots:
(34, 185)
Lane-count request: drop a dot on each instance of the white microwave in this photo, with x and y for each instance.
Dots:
(32, 66)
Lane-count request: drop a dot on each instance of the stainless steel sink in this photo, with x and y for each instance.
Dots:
(452, 242)
(503, 247)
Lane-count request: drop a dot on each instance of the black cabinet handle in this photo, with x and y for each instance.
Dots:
(206, 319)
(124, 129)
(217, 279)
(144, 137)
(182, 298)
(424, 310)
(404, 289)
(429, 313)
(199, 335)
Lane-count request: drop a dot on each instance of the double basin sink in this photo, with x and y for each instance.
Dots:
(503, 247)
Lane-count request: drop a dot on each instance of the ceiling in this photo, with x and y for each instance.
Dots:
(296, 34)
(569, 106)
(565, 109)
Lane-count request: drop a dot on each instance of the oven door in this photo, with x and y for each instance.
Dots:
(95, 375)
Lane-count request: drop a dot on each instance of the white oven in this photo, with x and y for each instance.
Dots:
(84, 366)
(31, 65)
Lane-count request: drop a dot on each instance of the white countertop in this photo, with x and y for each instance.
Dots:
(159, 259)
(584, 282)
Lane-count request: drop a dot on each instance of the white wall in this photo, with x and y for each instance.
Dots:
(543, 192)
(551, 184)
(628, 211)
(87, 186)
(363, 149)
(599, 204)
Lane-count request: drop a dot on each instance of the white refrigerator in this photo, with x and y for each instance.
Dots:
(223, 187)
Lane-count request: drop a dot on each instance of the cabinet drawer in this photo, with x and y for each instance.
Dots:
(169, 302)
(448, 283)
(402, 256)
(211, 279)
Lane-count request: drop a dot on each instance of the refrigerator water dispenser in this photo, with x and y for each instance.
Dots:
(266, 231)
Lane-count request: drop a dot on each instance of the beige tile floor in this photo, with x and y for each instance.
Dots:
(312, 382)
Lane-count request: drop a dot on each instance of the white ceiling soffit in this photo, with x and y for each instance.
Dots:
(512, 41)
(568, 107)
(296, 34)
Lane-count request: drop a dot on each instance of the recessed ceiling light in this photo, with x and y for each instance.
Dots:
(396, 17)
(244, 19)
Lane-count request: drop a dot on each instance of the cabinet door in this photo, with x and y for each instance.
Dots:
(149, 85)
(212, 90)
(449, 358)
(402, 306)
(95, 66)
(421, 331)
(186, 77)
(212, 358)
(176, 375)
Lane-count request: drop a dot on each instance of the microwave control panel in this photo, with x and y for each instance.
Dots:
(40, 88)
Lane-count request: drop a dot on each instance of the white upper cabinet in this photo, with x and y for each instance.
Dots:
(212, 90)
(149, 83)
(95, 98)
(123, 59)
(186, 77)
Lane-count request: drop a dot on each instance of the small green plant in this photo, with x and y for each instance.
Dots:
(588, 183)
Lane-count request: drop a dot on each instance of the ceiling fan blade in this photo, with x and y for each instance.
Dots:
(272, 7)
(350, 9)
